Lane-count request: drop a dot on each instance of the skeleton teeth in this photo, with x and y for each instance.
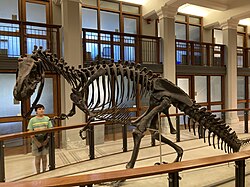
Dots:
(119, 85)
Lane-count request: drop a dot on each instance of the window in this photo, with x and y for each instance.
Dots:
(105, 51)
(188, 27)
(35, 41)
(201, 89)
(90, 2)
(240, 40)
(35, 12)
(9, 9)
(180, 31)
(241, 88)
(9, 128)
(215, 87)
(218, 36)
(194, 33)
(91, 16)
(106, 15)
(130, 25)
(46, 97)
(109, 5)
(204, 89)
(241, 94)
(110, 21)
(9, 107)
(183, 83)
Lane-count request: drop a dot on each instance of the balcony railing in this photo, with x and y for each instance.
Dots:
(199, 53)
(104, 45)
(18, 38)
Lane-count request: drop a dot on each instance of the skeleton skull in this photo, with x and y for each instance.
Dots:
(29, 75)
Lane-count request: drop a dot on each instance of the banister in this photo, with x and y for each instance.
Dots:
(174, 176)
(29, 23)
(88, 179)
(54, 129)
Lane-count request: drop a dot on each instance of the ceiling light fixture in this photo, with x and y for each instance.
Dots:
(194, 10)
(244, 21)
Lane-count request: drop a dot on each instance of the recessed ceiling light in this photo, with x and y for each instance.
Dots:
(244, 21)
(195, 10)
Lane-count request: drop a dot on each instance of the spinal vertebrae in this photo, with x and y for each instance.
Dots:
(103, 90)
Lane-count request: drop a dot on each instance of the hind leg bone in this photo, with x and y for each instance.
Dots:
(143, 124)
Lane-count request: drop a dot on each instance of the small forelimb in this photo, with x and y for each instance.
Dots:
(85, 128)
(62, 116)
(71, 113)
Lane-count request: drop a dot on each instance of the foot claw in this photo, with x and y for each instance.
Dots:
(173, 131)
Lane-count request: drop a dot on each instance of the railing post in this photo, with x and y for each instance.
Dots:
(246, 121)
(2, 169)
(52, 151)
(124, 138)
(178, 129)
(240, 173)
(91, 142)
(152, 140)
(223, 116)
(173, 179)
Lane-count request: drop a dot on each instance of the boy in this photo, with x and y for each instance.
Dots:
(40, 141)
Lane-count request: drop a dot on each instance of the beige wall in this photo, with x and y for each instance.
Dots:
(236, 10)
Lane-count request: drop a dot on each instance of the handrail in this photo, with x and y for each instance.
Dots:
(97, 178)
(29, 23)
(119, 33)
(90, 136)
(195, 42)
(54, 129)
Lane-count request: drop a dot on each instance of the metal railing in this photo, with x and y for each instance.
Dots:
(173, 170)
(199, 53)
(19, 37)
(90, 136)
(105, 45)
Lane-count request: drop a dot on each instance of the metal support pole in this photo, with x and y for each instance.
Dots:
(124, 138)
(152, 140)
(2, 168)
(52, 159)
(223, 116)
(240, 173)
(91, 142)
(178, 138)
(173, 179)
(160, 133)
(246, 121)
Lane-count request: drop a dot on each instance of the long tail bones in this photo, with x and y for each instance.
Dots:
(220, 134)
(104, 89)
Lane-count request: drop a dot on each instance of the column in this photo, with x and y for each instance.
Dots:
(71, 15)
(167, 33)
(229, 29)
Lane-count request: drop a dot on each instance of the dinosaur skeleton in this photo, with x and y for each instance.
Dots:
(119, 83)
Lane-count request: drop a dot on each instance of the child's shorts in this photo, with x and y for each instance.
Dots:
(39, 152)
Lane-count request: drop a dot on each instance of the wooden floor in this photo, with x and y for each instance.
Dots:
(109, 157)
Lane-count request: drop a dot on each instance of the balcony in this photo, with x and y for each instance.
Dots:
(18, 38)
(104, 45)
(199, 53)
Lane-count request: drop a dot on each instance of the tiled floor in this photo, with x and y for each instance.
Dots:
(109, 157)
